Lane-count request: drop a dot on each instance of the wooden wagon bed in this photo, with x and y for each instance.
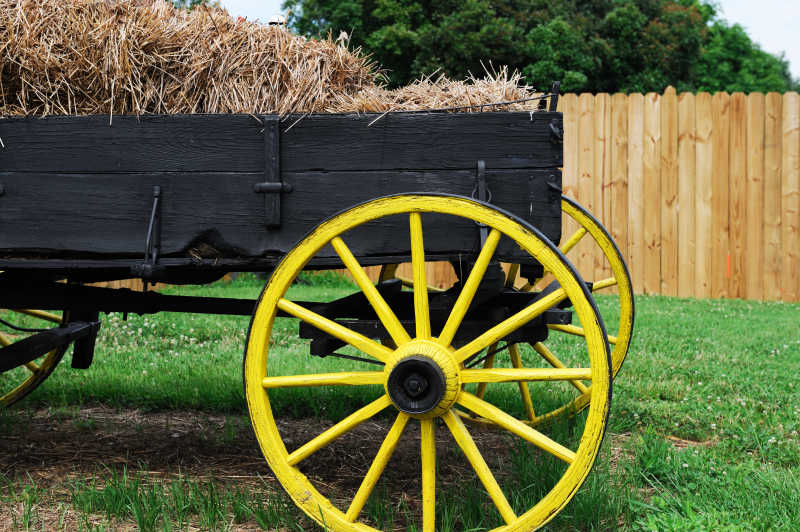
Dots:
(237, 191)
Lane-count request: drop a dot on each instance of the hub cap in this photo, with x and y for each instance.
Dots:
(422, 379)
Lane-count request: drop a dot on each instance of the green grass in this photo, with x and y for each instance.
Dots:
(703, 433)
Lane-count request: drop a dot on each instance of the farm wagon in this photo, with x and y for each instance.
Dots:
(185, 199)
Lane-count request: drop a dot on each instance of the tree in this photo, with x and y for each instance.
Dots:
(732, 62)
(599, 45)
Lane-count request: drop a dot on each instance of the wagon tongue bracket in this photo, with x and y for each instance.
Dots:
(33, 347)
(273, 186)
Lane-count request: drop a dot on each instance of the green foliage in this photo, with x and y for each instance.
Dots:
(599, 46)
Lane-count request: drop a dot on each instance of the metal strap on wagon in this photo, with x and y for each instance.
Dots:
(272, 185)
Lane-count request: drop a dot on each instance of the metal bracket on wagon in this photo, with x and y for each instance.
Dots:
(152, 246)
(35, 346)
(272, 187)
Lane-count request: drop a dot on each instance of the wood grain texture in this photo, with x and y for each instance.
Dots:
(773, 140)
(754, 234)
(569, 106)
(652, 194)
(720, 178)
(790, 199)
(585, 250)
(737, 193)
(686, 194)
(669, 193)
(619, 172)
(602, 173)
(222, 211)
(234, 143)
(636, 191)
(703, 184)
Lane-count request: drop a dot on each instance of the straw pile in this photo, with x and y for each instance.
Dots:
(114, 57)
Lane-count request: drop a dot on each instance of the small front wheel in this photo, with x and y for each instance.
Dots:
(17, 383)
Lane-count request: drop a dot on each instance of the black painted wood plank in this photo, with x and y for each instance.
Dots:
(235, 143)
(107, 214)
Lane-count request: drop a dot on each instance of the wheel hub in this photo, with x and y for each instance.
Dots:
(416, 385)
(422, 379)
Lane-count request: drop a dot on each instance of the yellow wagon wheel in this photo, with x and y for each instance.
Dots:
(17, 383)
(422, 377)
(621, 322)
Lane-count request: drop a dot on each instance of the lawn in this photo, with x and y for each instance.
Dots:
(703, 433)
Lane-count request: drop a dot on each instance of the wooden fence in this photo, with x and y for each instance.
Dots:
(701, 192)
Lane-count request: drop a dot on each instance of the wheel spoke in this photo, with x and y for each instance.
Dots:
(42, 315)
(344, 426)
(511, 278)
(573, 240)
(553, 360)
(577, 331)
(359, 341)
(428, 452)
(4, 340)
(488, 363)
(344, 378)
(376, 469)
(475, 458)
(516, 361)
(32, 366)
(512, 424)
(511, 324)
(421, 312)
(605, 283)
(524, 374)
(468, 291)
(382, 309)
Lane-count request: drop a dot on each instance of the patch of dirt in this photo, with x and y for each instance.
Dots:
(681, 443)
(51, 447)
(82, 444)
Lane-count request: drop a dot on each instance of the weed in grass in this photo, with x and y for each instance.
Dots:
(380, 508)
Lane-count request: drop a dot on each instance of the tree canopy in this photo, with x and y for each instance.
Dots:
(590, 45)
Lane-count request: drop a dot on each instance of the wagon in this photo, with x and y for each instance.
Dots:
(514, 345)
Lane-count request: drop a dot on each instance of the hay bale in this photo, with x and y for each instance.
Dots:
(78, 57)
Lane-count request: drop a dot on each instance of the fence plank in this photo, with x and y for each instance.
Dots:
(652, 194)
(686, 195)
(754, 233)
(773, 139)
(790, 198)
(669, 193)
(737, 189)
(602, 172)
(619, 172)
(635, 191)
(720, 142)
(584, 252)
(703, 183)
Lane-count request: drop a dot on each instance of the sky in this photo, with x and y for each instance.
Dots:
(771, 23)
